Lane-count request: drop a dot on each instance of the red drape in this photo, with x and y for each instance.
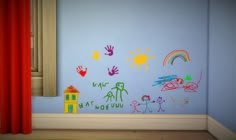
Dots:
(15, 67)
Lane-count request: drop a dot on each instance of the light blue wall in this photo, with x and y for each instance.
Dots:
(222, 62)
(161, 25)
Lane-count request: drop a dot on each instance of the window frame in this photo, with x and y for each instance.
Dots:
(44, 40)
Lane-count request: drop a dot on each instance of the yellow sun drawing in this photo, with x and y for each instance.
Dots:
(140, 59)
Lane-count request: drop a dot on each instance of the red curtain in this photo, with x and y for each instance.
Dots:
(15, 67)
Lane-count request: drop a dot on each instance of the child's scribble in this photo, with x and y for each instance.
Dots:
(146, 99)
(109, 49)
(160, 101)
(81, 71)
(86, 104)
(180, 102)
(120, 87)
(192, 86)
(100, 84)
(134, 104)
(110, 96)
(172, 82)
(113, 71)
(162, 80)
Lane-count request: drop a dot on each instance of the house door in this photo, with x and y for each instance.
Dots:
(70, 108)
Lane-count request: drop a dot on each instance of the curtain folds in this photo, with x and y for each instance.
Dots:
(15, 67)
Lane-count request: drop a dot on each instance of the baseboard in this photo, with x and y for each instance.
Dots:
(220, 131)
(119, 121)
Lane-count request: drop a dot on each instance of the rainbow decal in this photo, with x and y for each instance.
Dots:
(170, 58)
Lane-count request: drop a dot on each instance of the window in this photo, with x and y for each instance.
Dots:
(43, 47)
(67, 97)
(73, 97)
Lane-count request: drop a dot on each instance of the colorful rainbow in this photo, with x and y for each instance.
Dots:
(170, 58)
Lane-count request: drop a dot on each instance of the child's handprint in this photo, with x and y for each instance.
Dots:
(80, 70)
(109, 48)
(113, 71)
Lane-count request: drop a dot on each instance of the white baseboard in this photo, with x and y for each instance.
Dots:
(219, 131)
(119, 121)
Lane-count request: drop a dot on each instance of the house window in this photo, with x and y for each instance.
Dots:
(67, 97)
(43, 47)
(73, 97)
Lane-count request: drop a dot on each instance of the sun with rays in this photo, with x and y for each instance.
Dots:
(140, 59)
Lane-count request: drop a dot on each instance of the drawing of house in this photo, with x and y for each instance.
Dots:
(71, 95)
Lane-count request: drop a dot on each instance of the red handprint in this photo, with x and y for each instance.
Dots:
(113, 71)
(109, 48)
(80, 70)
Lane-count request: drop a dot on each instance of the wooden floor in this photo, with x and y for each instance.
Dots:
(110, 135)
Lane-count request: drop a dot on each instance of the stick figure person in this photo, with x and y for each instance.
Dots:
(109, 96)
(146, 99)
(134, 104)
(160, 101)
(120, 87)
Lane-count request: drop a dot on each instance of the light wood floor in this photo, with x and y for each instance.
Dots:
(110, 135)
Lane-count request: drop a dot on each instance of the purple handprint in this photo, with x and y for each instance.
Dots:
(109, 48)
(113, 71)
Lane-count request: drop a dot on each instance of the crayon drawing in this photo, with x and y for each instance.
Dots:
(170, 58)
(134, 104)
(172, 82)
(160, 101)
(71, 95)
(140, 59)
(147, 100)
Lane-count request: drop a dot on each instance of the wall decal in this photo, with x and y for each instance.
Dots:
(147, 100)
(109, 49)
(81, 71)
(100, 84)
(160, 101)
(134, 104)
(71, 95)
(113, 71)
(140, 59)
(96, 55)
(170, 58)
(180, 102)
